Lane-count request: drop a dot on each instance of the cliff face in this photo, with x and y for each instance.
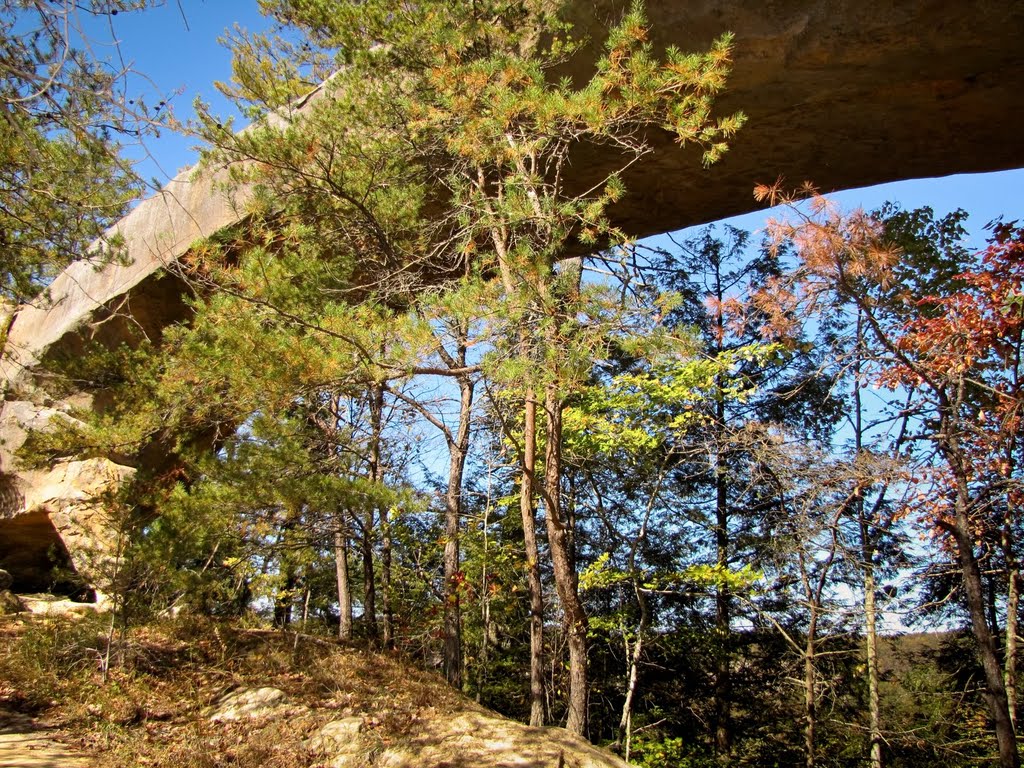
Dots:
(55, 530)
(844, 93)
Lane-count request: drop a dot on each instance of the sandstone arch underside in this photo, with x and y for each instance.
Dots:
(844, 93)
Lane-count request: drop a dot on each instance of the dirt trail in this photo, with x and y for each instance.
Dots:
(26, 743)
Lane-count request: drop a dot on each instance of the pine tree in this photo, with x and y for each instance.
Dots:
(65, 112)
(953, 354)
(438, 140)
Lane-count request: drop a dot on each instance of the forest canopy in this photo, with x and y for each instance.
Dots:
(664, 493)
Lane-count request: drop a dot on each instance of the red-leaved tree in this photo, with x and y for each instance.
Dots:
(955, 358)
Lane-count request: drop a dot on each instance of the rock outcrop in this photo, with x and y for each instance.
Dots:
(52, 606)
(9, 602)
(478, 738)
(841, 92)
(55, 526)
(469, 737)
(253, 704)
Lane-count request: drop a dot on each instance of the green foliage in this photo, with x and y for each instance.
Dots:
(435, 151)
(636, 413)
(420, 217)
(933, 254)
(460, 101)
(669, 752)
(63, 177)
(598, 575)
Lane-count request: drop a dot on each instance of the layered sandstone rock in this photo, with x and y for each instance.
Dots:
(56, 530)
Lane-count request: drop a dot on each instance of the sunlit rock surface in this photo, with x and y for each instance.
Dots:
(56, 530)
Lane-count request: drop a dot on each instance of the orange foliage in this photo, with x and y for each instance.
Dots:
(961, 353)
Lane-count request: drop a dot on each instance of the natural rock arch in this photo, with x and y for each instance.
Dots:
(845, 93)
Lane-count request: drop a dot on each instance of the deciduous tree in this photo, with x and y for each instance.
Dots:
(957, 356)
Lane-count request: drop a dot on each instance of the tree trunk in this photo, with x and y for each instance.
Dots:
(1013, 574)
(1012, 601)
(385, 581)
(307, 593)
(867, 564)
(871, 644)
(501, 238)
(995, 692)
(369, 580)
(626, 721)
(723, 680)
(285, 596)
(533, 582)
(625, 738)
(344, 585)
(376, 472)
(457, 450)
(810, 700)
(949, 397)
(992, 593)
(814, 592)
(485, 602)
(1010, 663)
(560, 544)
(963, 533)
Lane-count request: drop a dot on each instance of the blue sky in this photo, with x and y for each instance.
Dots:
(176, 57)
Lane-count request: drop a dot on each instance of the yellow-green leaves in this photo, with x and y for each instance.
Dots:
(633, 414)
(699, 578)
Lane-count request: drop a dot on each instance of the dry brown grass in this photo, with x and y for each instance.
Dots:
(149, 711)
(153, 708)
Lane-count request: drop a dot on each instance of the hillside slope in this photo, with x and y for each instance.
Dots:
(202, 694)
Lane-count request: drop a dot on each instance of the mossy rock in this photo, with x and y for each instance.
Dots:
(10, 603)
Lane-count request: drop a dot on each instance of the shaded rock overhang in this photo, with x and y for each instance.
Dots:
(843, 93)
(32, 551)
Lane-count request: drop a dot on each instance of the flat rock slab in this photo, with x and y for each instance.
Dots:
(25, 743)
(253, 704)
(50, 605)
(478, 738)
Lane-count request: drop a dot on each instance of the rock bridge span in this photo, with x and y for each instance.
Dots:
(844, 93)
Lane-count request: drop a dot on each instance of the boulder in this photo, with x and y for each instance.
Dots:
(253, 704)
(54, 606)
(9, 603)
(56, 527)
(339, 742)
(479, 738)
